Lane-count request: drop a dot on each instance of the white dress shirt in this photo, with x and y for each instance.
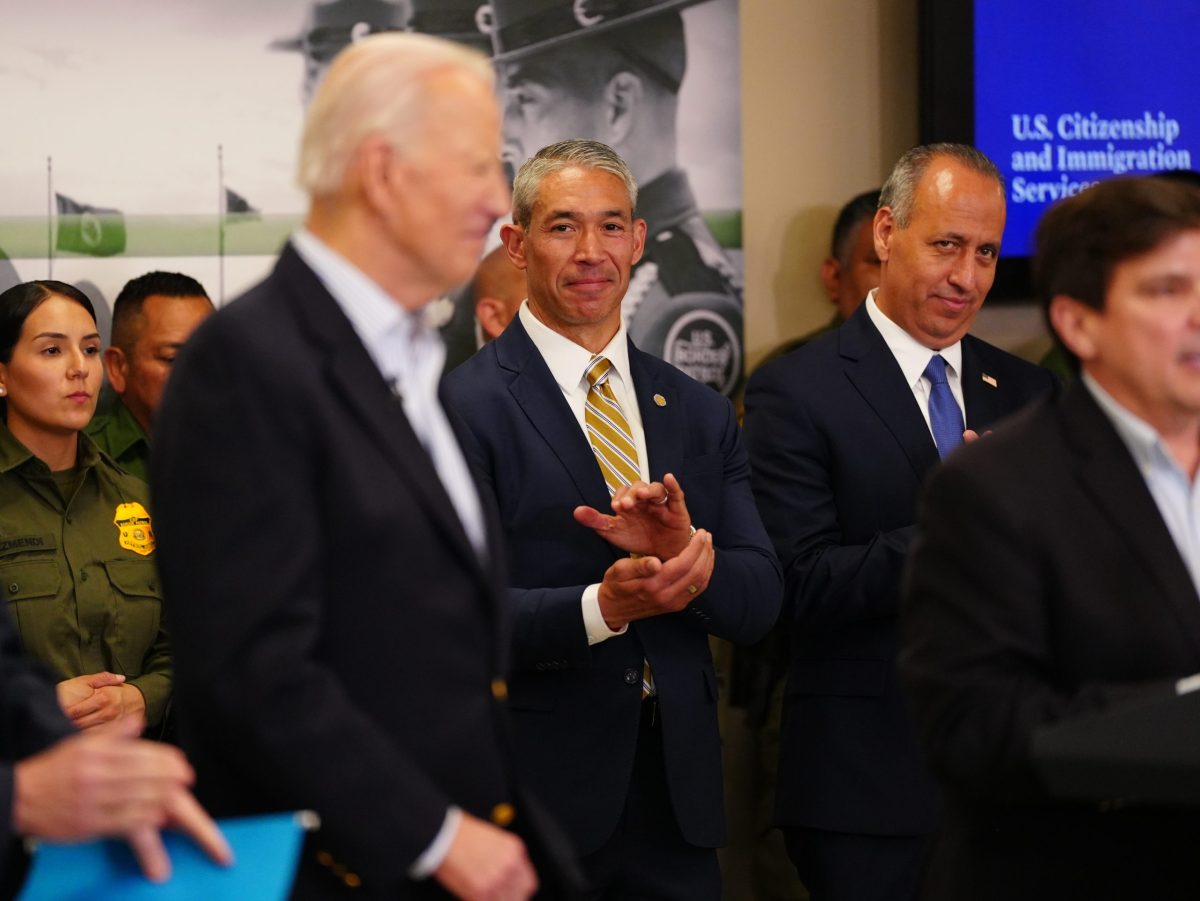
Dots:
(913, 357)
(568, 363)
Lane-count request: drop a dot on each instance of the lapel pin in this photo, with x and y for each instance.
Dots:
(660, 400)
(991, 380)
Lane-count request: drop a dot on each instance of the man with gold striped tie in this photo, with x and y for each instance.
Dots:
(614, 694)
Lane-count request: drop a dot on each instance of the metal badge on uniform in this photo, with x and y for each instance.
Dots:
(991, 380)
(133, 528)
(660, 400)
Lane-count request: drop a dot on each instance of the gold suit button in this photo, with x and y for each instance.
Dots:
(352, 880)
(499, 689)
(324, 858)
(503, 814)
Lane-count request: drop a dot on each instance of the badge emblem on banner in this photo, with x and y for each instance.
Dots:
(133, 528)
(702, 343)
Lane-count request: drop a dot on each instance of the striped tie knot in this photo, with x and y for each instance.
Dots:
(597, 371)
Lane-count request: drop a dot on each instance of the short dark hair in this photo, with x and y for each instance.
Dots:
(857, 210)
(1188, 177)
(129, 302)
(20, 300)
(1081, 240)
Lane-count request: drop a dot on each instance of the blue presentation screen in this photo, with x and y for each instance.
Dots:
(1069, 92)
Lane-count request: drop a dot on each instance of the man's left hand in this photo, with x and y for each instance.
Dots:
(649, 518)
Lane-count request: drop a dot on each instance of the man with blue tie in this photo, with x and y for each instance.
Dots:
(842, 433)
(614, 692)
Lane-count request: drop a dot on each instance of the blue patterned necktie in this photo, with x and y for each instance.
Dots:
(945, 418)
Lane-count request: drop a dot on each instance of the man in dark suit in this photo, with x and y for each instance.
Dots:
(332, 576)
(841, 435)
(614, 693)
(1056, 567)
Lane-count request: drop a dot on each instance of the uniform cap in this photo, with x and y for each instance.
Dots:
(521, 28)
(332, 25)
(462, 21)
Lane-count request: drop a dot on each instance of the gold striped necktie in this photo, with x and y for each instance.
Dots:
(608, 430)
(612, 442)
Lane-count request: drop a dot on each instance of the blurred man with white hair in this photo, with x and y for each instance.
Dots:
(333, 575)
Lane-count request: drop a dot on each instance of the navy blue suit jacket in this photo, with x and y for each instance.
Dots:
(576, 707)
(839, 449)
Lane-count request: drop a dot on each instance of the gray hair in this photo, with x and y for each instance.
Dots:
(576, 153)
(376, 86)
(900, 189)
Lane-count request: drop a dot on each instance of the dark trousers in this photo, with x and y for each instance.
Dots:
(840, 866)
(647, 858)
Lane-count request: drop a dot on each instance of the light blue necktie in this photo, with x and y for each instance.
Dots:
(945, 418)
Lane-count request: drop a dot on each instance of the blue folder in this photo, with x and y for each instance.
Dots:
(266, 850)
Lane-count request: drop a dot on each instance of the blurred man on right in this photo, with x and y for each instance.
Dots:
(1058, 565)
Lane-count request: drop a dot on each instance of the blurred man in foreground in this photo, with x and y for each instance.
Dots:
(1056, 572)
(333, 577)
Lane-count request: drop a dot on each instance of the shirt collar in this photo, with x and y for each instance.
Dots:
(567, 360)
(912, 355)
(1144, 443)
(381, 323)
(123, 431)
(14, 454)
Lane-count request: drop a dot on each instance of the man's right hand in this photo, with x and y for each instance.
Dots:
(634, 589)
(486, 863)
(109, 783)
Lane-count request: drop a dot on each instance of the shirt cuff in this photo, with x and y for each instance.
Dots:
(433, 856)
(593, 620)
(1187, 685)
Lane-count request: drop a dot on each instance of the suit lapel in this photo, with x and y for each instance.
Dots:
(355, 378)
(985, 398)
(875, 374)
(1111, 479)
(662, 416)
(541, 400)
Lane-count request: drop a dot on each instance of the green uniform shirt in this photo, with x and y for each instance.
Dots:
(119, 435)
(77, 568)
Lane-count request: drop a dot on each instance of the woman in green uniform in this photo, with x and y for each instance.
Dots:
(76, 541)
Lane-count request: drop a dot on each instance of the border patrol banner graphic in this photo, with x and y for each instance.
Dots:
(189, 123)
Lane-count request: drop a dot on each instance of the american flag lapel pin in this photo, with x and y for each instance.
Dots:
(991, 380)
